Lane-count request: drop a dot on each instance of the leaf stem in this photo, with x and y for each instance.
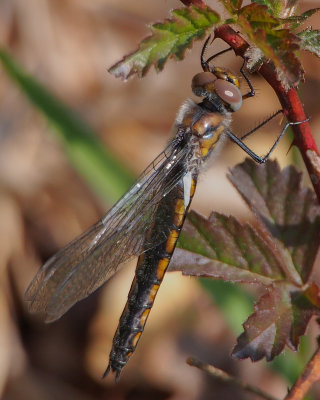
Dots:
(228, 379)
(309, 376)
(290, 102)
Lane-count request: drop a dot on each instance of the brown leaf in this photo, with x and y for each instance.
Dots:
(278, 255)
(289, 212)
(280, 318)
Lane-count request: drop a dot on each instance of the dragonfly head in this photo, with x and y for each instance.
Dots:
(218, 84)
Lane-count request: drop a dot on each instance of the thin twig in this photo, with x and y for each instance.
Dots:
(309, 376)
(290, 102)
(228, 379)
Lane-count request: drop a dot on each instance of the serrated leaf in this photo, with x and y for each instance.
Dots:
(274, 7)
(278, 44)
(277, 255)
(310, 40)
(280, 318)
(258, 16)
(169, 39)
(279, 8)
(232, 5)
(294, 21)
(225, 249)
(289, 212)
(281, 48)
(269, 25)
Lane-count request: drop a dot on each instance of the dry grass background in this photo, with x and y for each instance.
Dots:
(68, 45)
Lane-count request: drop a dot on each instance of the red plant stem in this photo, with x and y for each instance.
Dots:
(290, 102)
(309, 376)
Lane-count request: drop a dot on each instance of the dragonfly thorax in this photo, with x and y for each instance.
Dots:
(207, 131)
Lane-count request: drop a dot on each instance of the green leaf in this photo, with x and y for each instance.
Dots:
(274, 6)
(169, 39)
(226, 250)
(100, 169)
(310, 40)
(296, 20)
(282, 46)
(278, 8)
(237, 3)
(269, 24)
(258, 16)
(232, 5)
(278, 44)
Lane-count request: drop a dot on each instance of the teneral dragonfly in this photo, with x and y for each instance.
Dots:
(147, 220)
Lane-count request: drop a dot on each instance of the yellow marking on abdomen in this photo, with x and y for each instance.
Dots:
(162, 267)
(179, 213)
(144, 317)
(153, 293)
(171, 241)
(136, 339)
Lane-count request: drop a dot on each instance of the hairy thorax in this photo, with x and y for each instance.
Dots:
(206, 129)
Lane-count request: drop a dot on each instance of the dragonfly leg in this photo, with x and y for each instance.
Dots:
(263, 123)
(251, 153)
(205, 63)
(252, 92)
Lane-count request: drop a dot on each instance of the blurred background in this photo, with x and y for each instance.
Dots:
(45, 202)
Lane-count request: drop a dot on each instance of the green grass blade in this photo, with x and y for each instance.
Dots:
(234, 302)
(104, 173)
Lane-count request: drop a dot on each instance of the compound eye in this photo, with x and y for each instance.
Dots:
(203, 83)
(229, 93)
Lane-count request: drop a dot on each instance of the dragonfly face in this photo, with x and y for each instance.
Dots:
(147, 220)
(220, 87)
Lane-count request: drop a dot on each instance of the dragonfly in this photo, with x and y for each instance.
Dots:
(147, 221)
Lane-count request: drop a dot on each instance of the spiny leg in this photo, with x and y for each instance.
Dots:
(205, 63)
(262, 124)
(217, 55)
(246, 77)
(251, 153)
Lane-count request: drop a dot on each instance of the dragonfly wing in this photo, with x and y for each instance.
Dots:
(57, 267)
(87, 262)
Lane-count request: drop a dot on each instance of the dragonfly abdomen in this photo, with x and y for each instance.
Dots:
(150, 270)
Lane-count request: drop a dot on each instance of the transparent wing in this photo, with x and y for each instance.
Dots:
(91, 259)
